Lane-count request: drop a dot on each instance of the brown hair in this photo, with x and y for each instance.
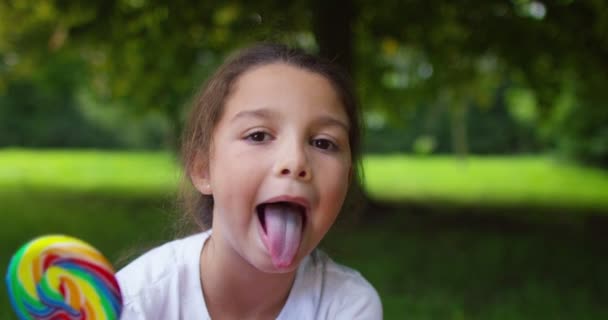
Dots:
(208, 107)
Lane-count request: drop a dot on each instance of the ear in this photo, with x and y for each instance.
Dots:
(199, 175)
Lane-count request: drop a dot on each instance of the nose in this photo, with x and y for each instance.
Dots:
(293, 162)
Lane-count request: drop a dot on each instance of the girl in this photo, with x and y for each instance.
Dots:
(270, 148)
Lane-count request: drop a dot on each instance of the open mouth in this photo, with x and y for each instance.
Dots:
(286, 206)
(283, 225)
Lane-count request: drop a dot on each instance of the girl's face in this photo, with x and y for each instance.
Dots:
(279, 166)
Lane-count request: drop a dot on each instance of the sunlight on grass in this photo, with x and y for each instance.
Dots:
(89, 170)
(486, 181)
(491, 181)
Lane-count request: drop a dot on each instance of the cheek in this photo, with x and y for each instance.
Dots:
(235, 178)
(228, 166)
(333, 188)
(341, 171)
(339, 182)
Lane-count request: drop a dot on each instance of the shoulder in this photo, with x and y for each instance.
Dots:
(151, 278)
(345, 293)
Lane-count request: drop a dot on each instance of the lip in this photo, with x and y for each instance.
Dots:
(288, 198)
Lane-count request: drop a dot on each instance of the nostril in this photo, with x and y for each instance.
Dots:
(303, 174)
(285, 171)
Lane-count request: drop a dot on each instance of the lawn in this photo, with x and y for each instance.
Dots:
(121, 202)
(479, 181)
(487, 181)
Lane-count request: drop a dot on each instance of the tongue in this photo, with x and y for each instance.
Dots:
(283, 232)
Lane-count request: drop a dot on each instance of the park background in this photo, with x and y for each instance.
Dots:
(485, 185)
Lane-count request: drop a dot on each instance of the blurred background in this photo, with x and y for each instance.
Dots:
(485, 186)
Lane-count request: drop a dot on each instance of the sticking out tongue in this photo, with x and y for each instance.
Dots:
(283, 227)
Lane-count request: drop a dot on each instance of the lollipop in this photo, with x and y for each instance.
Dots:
(60, 277)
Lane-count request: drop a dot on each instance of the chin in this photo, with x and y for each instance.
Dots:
(266, 266)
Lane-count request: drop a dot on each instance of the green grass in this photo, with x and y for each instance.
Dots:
(121, 202)
(459, 273)
(139, 172)
(114, 224)
(487, 181)
(480, 181)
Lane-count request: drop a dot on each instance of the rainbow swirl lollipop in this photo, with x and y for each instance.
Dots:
(60, 277)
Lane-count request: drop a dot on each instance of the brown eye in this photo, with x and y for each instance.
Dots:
(324, 144)
(258, 136)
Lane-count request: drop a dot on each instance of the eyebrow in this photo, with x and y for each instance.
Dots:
(331, 121)
(263, 113)
(257, 113)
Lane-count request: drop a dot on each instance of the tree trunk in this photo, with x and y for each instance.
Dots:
(333, 27)
(333, 23)
(460, 144)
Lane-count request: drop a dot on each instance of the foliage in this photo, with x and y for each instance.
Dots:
(453, 56)
(50, 108)
(457, 54)
(506, 125)
(42, 111)
(150, 55)
(585, 134)
(581, 127)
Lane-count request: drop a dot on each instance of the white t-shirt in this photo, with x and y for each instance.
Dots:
(164, 284)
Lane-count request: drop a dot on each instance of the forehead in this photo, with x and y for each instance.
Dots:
(285, 88)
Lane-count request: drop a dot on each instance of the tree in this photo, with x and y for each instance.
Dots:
(404, 53)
